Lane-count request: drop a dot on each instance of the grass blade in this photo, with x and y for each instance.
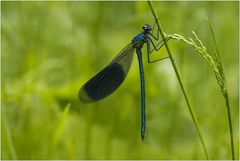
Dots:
(60, 125)
(216, 65)
(224, 91)
(10, 144)
(179, 79)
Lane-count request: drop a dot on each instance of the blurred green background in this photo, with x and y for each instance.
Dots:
(50, 49)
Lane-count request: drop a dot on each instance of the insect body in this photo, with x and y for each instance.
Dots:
(111, 77)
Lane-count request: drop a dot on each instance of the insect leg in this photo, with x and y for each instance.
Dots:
(155, 47)
(155, 37)
(158, 46)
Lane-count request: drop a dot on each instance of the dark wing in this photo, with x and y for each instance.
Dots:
(109, 79)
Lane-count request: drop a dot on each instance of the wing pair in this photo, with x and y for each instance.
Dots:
(110, 78)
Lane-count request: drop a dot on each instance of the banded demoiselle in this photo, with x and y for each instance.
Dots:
(111, 77)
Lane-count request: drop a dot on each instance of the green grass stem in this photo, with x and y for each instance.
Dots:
(224, 91)
(179, 79)
(230, 125)
(59, 130)
(60, 126)
(10, 144)
(216, 65)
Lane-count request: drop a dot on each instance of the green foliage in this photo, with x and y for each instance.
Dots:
(49, 49)
(179, 78)
(201, 49)
(216, 66)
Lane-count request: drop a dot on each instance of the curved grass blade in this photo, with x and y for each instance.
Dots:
(109, 79)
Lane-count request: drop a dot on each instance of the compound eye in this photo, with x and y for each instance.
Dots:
(146, 26)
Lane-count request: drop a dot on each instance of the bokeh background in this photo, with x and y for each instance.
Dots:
(50, 49)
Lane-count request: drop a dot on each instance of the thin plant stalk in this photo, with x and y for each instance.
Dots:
(230, 125)
(59, 130)
(10, 143)
(224, 92)
(179, 79)
(216, 65)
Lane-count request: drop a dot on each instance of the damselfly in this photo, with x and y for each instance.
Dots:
(111, 77)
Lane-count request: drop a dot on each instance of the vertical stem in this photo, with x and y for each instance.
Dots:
(230, 125)
(10, 144)
(179, 80)
(225, 94)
